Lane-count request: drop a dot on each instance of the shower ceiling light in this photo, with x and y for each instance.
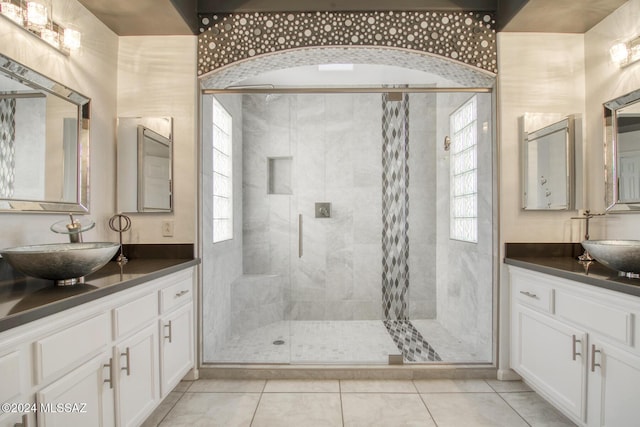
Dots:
(625, 53)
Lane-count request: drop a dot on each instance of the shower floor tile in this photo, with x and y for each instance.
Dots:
(333, 342)
(350, 341)
(450, 348)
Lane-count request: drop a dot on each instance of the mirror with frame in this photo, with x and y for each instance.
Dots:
(144, 178)
(44, 143)
(547, 142)
(622, 153)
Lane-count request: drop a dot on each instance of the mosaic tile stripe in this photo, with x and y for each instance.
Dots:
(466, 37)
(410, 342)
(395, 206)
(7, 146)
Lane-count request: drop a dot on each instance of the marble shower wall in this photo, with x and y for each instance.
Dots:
(465, 270)
(335, 142)
(223, 261)
(422, 214)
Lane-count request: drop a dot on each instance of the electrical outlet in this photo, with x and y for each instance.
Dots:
(167, 228)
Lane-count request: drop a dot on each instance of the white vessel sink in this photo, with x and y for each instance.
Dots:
(65, 263)
(621, 255)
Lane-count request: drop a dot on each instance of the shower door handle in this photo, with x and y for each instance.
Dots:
(299, 235)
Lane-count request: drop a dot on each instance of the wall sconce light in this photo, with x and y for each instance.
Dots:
(34, 16)
(625, 53)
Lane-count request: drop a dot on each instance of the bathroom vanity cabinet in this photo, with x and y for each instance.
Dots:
(108, 362)
(578, 345)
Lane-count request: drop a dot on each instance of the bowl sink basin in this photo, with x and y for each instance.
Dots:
(621, 255)
(65, 263)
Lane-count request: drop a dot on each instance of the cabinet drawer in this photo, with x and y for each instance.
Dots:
(529, 291)
(597, 316)
(134, 315)
(177, 294)
(70, 347)
(11, 384)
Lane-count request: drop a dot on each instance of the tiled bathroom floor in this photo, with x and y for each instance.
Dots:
(353, 341)
(354, 403)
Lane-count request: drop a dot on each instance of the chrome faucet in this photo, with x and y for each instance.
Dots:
(587, 215)
(75, 230)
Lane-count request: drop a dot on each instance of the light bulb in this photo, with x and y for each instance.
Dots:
(619, 53)
(12, 11)
(71, 39)
(50, 36)
(37, 15)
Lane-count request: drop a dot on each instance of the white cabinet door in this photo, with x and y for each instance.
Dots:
(82, 398)
(177, 347)
(614, 386)
(552, 356)
(138, 386)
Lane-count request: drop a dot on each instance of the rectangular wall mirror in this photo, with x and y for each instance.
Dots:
(622, 153)
(44, 143)
(144, 179)
(547, 161)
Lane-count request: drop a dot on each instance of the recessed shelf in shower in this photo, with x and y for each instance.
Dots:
(279, 175)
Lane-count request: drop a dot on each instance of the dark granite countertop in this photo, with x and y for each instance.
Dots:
(560, 260)
(24, 299)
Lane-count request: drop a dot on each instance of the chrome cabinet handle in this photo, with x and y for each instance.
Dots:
(181, 293)
(300, 251)
(593, 357)
(575, 342)
(529, 294)
(110, 366)
(168, 325)
(24, 422)
(127, 355)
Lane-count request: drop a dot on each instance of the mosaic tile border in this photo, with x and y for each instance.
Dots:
(457, 37)
(7, 146)
(410, 342)
(395, 205)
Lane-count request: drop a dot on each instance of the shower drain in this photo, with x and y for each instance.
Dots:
(278, 342)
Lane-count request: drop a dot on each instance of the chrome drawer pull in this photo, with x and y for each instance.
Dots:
(181, 293)
(575, 353)
(529, 294)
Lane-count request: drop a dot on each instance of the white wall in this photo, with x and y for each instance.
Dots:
(92, 72)
(157, 78)
(606, 81)
(537, 73)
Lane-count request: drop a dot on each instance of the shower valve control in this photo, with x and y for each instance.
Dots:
(323, 210)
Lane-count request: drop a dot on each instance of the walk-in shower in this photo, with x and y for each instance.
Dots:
(358, 226)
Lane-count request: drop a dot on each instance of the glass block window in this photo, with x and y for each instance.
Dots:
(464, 172)
(222, 174)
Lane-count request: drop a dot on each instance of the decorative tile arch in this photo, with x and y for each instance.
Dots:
(458, 45)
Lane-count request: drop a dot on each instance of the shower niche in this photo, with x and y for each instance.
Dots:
(279, 175)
